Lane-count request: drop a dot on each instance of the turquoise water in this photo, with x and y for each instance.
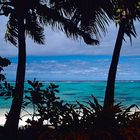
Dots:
(82, 68)
(126, 92)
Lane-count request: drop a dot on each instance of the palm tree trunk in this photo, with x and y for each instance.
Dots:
(14, 113)
(109, 93)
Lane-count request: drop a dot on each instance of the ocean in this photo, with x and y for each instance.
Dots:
(126, 92)
(79, 77)
(75, 68)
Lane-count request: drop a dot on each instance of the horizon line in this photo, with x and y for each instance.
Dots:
(74, 81)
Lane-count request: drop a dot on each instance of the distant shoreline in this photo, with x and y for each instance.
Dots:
(79, 81)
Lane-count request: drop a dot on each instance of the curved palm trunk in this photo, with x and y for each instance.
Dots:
(14, 113)
(109, 93)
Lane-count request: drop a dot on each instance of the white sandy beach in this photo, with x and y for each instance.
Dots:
(21, 122)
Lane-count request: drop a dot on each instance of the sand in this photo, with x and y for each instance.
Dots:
(22, 122)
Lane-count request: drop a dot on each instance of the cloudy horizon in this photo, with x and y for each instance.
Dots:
(56, 43)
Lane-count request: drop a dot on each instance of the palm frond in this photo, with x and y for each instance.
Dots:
(64, 8)
(130, 30)
(131, 13)
(51, 17)
(33, 29)
(11, 34)
(92, 16)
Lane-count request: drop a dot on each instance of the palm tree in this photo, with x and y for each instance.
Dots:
(126, 12)
(21, 19)
(27, 18)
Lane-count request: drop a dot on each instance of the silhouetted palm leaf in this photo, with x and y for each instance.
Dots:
(34, 29)
(12, 30)
(49, 16)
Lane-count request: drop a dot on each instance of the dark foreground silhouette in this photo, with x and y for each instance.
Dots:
(53, 119)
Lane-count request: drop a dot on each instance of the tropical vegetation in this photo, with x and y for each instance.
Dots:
(52, 118)
(29, 18)
(4, 62)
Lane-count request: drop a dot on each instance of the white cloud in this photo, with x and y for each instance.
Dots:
(58, 44)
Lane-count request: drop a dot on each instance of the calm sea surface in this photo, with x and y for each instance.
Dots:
(126, 92)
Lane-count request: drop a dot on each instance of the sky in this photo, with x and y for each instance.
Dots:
(56, 43)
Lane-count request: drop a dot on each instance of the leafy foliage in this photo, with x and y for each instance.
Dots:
(3, 63)
(46, 105)
(90, 16)
(7, 90)
(129, 10)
